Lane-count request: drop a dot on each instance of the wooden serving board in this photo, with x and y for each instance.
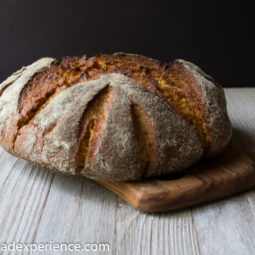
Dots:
(229, 173)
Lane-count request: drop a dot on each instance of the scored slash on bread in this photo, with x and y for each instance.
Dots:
(113, 117)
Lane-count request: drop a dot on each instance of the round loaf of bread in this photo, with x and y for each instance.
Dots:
(113, 117)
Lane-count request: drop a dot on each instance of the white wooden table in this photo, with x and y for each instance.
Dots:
(37, 206)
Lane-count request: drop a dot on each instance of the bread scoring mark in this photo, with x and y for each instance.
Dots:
(167, 81)
(26, 121)
(4, 88)
(50, 82)
(10, 98)
(92, 126)
(182, 104)
(145, 134)
(44, 86)
(162, 79)
(186, 98)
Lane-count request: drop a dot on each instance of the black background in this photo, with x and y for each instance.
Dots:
(216, 35)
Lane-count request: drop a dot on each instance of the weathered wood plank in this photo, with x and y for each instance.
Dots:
(228, 226)
(78, 211)
(35, 207)
(241, 108)
(143, 233)
(23, 192)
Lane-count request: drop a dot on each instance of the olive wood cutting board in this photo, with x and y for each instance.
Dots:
(229, 173)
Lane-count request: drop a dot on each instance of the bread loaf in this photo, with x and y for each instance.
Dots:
(113, 117)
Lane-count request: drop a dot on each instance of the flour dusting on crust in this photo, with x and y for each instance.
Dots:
(50, 139)
(9, 99)
(217, 110)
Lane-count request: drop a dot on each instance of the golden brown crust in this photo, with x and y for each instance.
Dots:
(161, 118)
(91, 127)
(172, 81)
(146, 135)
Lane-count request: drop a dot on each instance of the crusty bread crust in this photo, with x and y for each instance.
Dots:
(113, 117)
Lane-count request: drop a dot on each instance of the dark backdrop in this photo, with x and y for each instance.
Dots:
(216, 35)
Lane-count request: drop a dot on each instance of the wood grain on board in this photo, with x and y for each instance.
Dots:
(229, 173)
